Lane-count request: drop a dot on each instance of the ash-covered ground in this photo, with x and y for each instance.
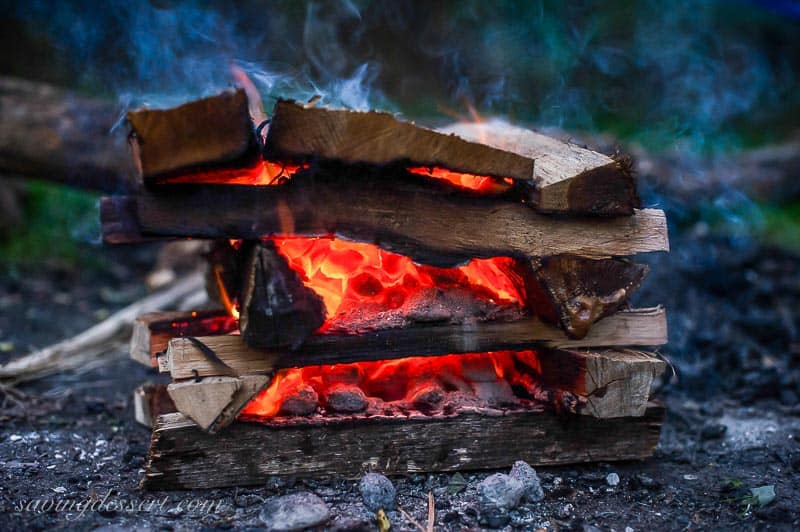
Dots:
(72, 456)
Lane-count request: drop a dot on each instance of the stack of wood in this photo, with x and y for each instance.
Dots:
(568, 216)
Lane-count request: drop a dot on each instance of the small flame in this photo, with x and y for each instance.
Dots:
(262, 173)
(483, 184)
(225, 298)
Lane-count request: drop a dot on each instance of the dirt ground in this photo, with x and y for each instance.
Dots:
(71, 455)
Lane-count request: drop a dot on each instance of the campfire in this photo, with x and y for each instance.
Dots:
(388, 297)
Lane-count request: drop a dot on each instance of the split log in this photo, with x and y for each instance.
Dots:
(150, 401)
(214, 402)
(575, 292)
(277, 309)
(184, 359)
(417, 219)
(152, 331)
(183, 457)
(214, 132)
(567, 178)
(298, 132)
(51, 133)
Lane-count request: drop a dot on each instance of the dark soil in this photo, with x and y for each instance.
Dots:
(733, 421)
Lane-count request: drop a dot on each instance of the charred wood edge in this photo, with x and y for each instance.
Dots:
(567, 178)
(415, 219)
(57, 135)
(645, 327)
(300, 132)
(277, 309)
(151, 400)
(183, 457)
(575, 292)
(153, 331)
(205, 134)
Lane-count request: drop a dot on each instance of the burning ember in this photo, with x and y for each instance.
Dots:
(482, 184)
(362, 284)
(430, 385)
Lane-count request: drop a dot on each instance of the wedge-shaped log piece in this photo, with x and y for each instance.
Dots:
(567, 178)
(417, 219)
(152, 331)
(151, 400)
(208, 133)
(214, 402)
(183, 457)
(185, 359)
(354, 137)
(574, 292)
(277, 309)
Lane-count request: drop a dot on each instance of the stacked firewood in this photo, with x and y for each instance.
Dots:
(565, 217)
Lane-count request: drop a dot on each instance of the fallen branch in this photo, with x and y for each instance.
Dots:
(96, 340)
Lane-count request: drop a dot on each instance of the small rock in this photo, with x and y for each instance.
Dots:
(612, 479)
(689, 477)
(378, 492)
(495, 518)
(500, 491)
(427, 397)
(647, 482)
(346, 398)
(564, 511)
(294, 512)
(713, 431)
(628, 529)
(302, 402)
(523, 472)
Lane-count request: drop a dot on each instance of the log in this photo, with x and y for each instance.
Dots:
(55, 134)
(214, 402)
(184, 359)
(567, 178)
(301, 133)
(420, 220)
(277, 309)
(214, 132)
(151, 400)
(575, 292)
(152, 331)
(183, 457)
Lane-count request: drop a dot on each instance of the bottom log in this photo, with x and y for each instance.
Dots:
(184, 457)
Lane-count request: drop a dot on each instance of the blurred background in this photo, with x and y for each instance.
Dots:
(704, 95)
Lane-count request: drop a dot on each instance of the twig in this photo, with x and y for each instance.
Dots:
(98, 339)
(411, 519)
(431, 511)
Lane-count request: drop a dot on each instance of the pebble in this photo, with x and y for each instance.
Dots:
(612, 479)
(524, 473)
(500, 491)
(565, 510)
(346, 398)
(378, 492)
(427, 397)
(302, 402)
(294, 512)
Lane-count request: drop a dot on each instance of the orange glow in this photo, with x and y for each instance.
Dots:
(398, 380)
(354, 277)
(262, 173)
(225, 299)
(483, 184)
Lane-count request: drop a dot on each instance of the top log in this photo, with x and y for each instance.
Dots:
(377, 138)
(214, 132)
(567, 178)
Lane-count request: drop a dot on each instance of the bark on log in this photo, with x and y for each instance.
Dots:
(151, 400)
(567, 178)
(184, 359)
(153, 331)
(351, 137)
(575, 292)
(214, 132)
(418, 219)
(57, 135)
(277, 309)
(183, 457)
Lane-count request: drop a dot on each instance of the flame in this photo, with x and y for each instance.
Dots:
(352, 276)
(397, 380)
(261, 173)
(224, 297)
(483, 184)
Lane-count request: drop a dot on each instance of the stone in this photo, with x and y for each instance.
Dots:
(612, 479)
(302, 402)
(523, 472)
(500, 491)
(297, 511)
(427, 397)
(346, 398)
(377, 492)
